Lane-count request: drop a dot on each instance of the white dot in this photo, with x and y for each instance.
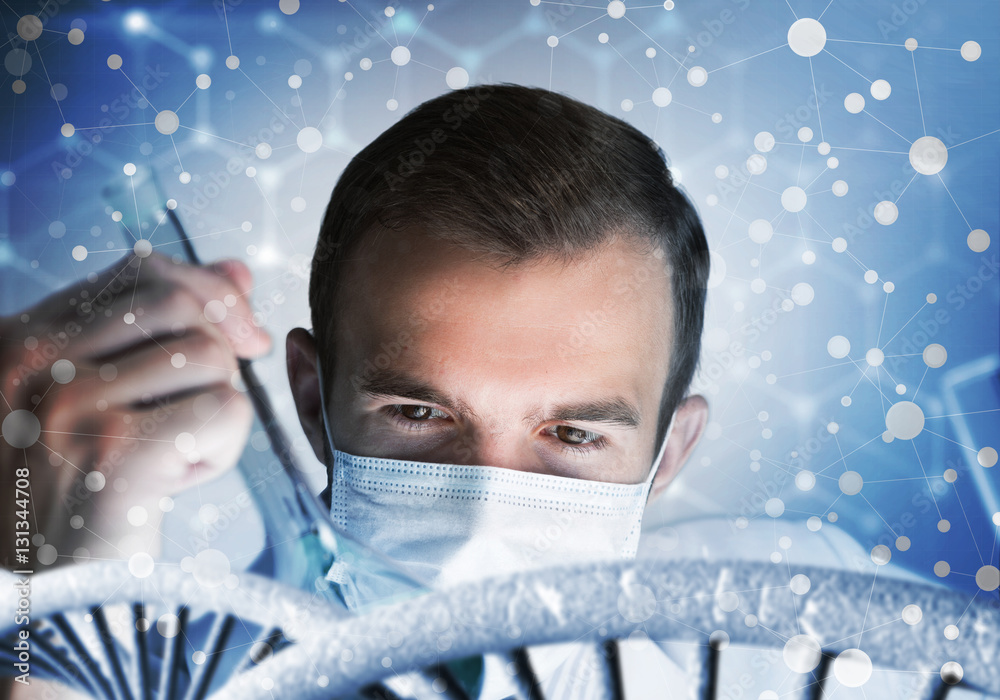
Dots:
(881, 555)
(184, 177)
(803, 294)
(793, 199)
(912, 614)
(987, 457)
(839, 188)
(838, 346)
(166, 122)
(661, 97)
(67, 130)
(143, 248)
(758, 286)
(457, 78)
(232, 62)
(833, 427)
(850, 483)
(95, 481)
(309, 139)
(184, 442)
(79, 253)
(839, 244)
(971, 51)
(650, 52)
(288, 7)
(603, 37)
(203, 81)
(900, 389)
(888, 287)
(697, 76)
(763, 141)
(871, 277)
(952, 672)
(774, 507)
(814, 523)
(845, 401)
(400, 55)
(263, 151)
(881, 89)
(245, 227)
(800, 584)
(886, 213)
(721, 172)
(168, 625)
(854, 102)
(756, 164)
(928, 155)
(801, 653)
(552, 41)
(75, 36)
(832, 162)
(761, 231)
(627, 105)
(805, 134)
(129, 169)
(808, 257)
(823, 148)
(935, 355)
(178, 360)
(114, 61)
(21, 428)
(365, 63)
(392, 104)
(140, 565)
(251, 171)
(294, 82)
(852, 668)
(903, 543)
(988, 578)
(951, 632)
(805, 480)
(616, 9)
(806, 37)
(942, 569)
(137, 516)
(727, 601)
(208, 514)
(904, 420)
(116, 216)
(63, 371)
(910, 44)
(874, 357)
(211, 567)
(978, 240)
(215, 311)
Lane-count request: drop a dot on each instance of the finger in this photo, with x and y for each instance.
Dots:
(225, 300)
(150, 372)
(174, 445)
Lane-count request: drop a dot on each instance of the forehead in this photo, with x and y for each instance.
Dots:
(602, 316)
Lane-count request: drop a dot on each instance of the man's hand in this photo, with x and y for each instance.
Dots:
(118, 393)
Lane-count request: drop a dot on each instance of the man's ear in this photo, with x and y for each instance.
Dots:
(689, 422)
(300, 357)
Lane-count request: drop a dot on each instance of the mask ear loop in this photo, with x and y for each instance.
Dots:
(327, 432)
(663, 448)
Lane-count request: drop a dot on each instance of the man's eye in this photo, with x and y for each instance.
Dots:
(418, 413)
(575, 436)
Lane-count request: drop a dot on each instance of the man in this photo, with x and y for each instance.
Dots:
(507, 298)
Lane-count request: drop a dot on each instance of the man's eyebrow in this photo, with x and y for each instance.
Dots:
(616, 411)
(391, 382)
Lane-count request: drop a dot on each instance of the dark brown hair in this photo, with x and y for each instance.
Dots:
(519, 173)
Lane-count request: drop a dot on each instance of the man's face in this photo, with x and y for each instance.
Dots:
(548, 367)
